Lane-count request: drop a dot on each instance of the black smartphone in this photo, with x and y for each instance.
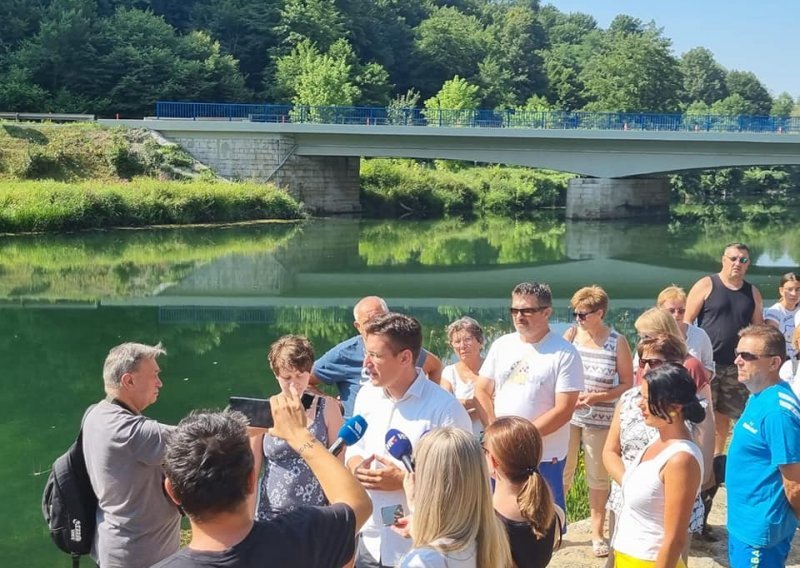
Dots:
(258, 411)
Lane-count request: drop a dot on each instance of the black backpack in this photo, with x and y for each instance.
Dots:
(69, 504)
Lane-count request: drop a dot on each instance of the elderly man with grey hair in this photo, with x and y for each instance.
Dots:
(137, 525)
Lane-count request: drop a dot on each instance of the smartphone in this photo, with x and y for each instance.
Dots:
(258, 411)
(391, 514)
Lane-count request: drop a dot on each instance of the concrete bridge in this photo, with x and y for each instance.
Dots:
(622, 171)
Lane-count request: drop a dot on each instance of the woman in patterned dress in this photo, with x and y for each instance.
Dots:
(607, 373)
(287, 481)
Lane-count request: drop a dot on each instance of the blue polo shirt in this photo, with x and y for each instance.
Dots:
(766, 436)
(343, 366)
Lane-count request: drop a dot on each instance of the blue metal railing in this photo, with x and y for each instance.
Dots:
(564, 120)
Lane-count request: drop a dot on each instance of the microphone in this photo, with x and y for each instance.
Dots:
(350, 433)
(399, 447)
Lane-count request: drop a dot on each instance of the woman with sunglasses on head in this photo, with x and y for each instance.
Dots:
(629, 434)
(781, 315)
(453, 524)
(461, 378)
(660, 485)
(522, 499)
(672, 299)
(656, 321)
(607, 373)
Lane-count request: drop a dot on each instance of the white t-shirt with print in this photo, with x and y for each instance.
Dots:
(786, 320)
(527, 377)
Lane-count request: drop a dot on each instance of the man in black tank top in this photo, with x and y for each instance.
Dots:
(722, 304)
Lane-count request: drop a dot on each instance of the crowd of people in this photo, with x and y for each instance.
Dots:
(496, 441)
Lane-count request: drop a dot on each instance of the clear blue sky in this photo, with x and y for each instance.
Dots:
(747, 35)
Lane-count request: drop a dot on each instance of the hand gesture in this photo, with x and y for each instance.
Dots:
(387, 478)
(288, 414)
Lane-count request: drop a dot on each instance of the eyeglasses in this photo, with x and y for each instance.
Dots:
(677, 311)
(582, 315)
(746, 356)
(526, 312)
(643, 362)
(741, 259)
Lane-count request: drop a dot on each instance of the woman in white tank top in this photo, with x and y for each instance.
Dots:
(660, 487)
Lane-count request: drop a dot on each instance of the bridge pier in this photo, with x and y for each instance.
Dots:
(325, 184)
(607, 198)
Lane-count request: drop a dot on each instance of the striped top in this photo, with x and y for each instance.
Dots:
(599, 375)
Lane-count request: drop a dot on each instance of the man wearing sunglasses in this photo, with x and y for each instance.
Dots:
(722, 304)
(763, 473)
(537, 375)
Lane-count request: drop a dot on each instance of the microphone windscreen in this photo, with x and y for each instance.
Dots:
(352, 430)
(397, 444)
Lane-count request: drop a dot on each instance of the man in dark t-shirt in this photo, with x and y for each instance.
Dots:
(723, 304)
(209, 472)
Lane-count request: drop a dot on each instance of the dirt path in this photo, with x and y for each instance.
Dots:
(576, 552)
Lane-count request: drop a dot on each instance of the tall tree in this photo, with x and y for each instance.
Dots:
(703, 77)
(783, 105)
(747, 85)
(634, 73)
(448, 43)
(513, 69)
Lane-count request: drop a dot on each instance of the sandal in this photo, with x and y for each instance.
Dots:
(600, 548)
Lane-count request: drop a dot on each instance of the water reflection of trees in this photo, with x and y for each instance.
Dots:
(122, 263)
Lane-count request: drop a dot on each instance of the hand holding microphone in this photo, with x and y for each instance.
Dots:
(350, 433)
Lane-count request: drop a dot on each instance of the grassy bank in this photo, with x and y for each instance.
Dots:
(59, 206)
(391, 188)
(77, 176)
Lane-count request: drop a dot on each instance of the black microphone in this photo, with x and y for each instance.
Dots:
(399, 447)
(350, 433)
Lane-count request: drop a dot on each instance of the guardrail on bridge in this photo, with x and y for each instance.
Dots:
(510, 118)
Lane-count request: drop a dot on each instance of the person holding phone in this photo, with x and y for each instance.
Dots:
(287, 481)
(209, 473)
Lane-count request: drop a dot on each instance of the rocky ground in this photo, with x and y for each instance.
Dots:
(576, 551)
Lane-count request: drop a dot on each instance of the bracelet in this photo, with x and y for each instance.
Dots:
(304, 447)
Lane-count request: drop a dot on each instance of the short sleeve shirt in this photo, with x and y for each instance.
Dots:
(766, 436)
(527, 378)
(307, 536)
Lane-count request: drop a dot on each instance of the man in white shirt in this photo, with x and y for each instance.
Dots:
(397, 396)
(538, 376)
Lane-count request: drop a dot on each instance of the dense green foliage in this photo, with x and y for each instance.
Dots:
(57, 206)
(392, 188)
(109, 56)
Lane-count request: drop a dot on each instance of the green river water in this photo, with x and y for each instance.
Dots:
(218, 296)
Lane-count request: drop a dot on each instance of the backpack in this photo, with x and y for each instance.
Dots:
(69, 504)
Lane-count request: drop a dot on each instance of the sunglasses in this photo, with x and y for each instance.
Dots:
(741, 259)
(582, 315)
(679, 311)
(643, 362)
(526, 312)
(746, 356)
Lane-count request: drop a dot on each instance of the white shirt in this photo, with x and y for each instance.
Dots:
(786, 320)
(699, 345)
(462, 390)
(791, 375)
(640, 524)
(424, 406)
(527, 377)
(432, 558)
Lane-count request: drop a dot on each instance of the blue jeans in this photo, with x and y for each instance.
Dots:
(553, 473)
(743, 555)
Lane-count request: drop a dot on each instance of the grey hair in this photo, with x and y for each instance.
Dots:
(125, 358)
(538, 290)
(467, 324)
(370, 299)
